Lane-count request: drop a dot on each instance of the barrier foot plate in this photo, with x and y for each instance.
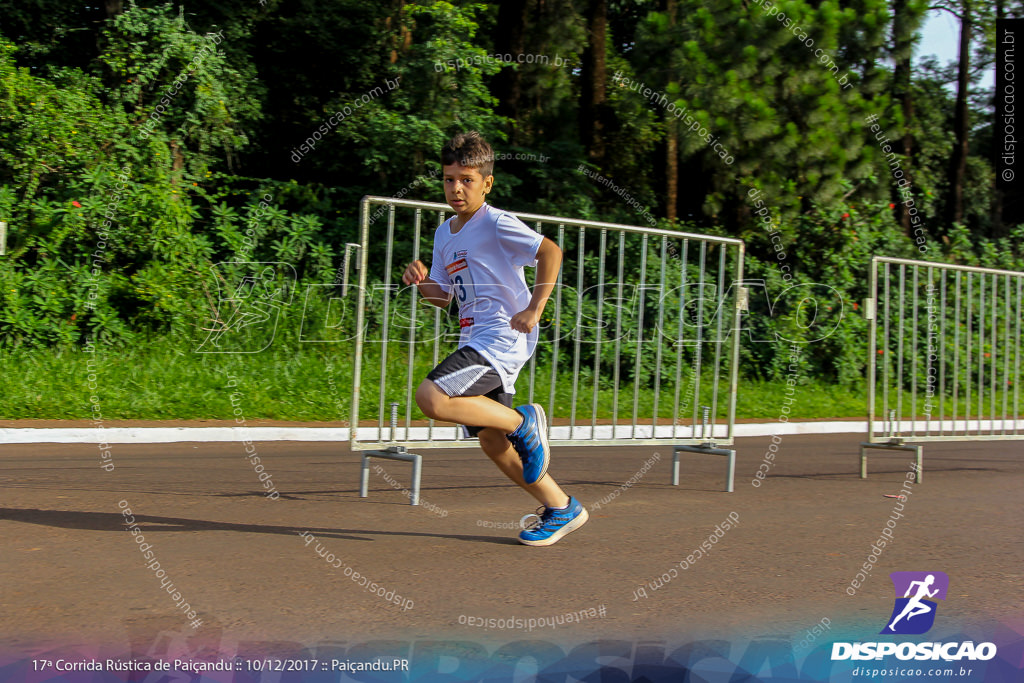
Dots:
(708, 449)
(895, 445)
(392, 453)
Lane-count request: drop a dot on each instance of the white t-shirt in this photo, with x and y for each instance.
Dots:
(483, 263)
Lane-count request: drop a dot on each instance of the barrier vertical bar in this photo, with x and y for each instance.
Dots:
(437, 337)
(886, 354)
(386, 327)
(639, 337)
(597, 336)
(968, 357)
(981, 350)
(533, 357)
(364, 239)
(929, 384)
(699, 348)
(734, 370)
(413, 308)
(870, 312)
(1017, 354)
(658, 331)
(616, 371)
(956, 349)
(676, 418)
(718, 341)
(580, 261)
(1006, 357)
(942, 354)
(913, 355)
(899, 351)
(558, 327)
(993, 355)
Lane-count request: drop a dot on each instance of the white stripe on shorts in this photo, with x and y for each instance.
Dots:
(458, 382)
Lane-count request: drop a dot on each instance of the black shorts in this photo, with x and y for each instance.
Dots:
(467, 373)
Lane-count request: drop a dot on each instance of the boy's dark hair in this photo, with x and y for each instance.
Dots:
(470, 150)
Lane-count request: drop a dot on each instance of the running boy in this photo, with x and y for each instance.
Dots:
(478, 258)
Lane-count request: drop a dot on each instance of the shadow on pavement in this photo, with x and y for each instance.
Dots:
(112, 521)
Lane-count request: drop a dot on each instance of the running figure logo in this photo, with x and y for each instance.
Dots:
(251, 297)
(914, 613)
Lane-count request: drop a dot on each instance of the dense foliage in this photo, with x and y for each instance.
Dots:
(144, 144)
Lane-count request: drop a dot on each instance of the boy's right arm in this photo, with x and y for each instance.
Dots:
(416, 274)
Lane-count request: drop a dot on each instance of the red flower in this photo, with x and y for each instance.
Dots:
(75, 204)
(892, 206)
(846, 215)
(74, 315)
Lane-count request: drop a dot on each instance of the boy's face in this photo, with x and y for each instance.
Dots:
(464, 188)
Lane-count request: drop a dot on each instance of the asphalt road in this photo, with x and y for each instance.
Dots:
(73, 574)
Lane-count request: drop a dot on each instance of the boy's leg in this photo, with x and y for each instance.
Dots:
(500, 450)
(466, 389)
(466, 410)
(562, 514)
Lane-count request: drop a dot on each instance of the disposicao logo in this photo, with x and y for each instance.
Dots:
(913, 614)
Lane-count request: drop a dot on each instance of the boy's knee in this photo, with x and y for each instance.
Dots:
(428, 398)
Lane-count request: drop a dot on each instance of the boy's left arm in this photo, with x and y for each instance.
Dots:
(549, 261)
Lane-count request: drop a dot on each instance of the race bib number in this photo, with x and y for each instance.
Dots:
(461, 281)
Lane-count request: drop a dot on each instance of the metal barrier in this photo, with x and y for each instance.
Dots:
(636, 343)
(947, 370)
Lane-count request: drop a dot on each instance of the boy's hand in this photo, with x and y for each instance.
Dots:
(414, 273)
(524, 321)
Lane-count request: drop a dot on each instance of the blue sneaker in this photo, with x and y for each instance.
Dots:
(530, 439)
(555, 523)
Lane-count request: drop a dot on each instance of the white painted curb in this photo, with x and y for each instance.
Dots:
(341, 434)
